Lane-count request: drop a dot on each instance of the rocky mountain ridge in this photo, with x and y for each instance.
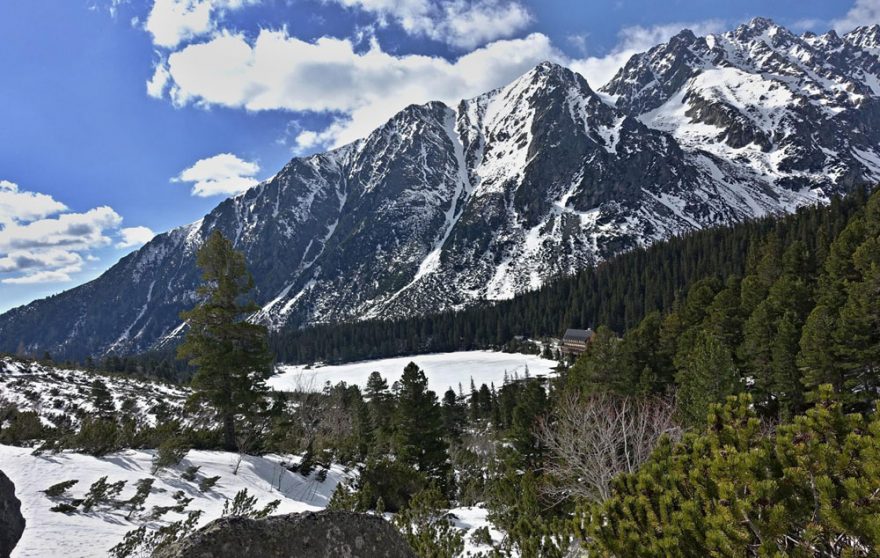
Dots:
(443, 207)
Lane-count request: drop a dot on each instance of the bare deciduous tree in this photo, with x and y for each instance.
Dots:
(592, 438)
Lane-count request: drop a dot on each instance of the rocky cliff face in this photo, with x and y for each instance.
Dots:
(326, 534)
(445, 206)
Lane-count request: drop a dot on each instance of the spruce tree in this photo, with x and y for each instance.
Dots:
(230, 354)
(708, 376)
(418, 426)
(102, 399)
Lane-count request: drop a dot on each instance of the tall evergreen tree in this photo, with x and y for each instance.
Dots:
(708, 376)
(418, 426)
(230, 354)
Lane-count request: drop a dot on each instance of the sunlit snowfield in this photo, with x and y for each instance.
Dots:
(443, 370)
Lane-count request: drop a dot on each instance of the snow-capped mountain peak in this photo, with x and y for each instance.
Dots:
(442, 207)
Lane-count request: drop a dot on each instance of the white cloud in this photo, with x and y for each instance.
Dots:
(277, 71)
(863, 12)
(222, 174)
(56, 276)
(75, 231)
(363, 89)
(17, 206)
(633, 40)
(171, 22)
(134, 236)
(29, 259)
(41, 241)
(460, 23)
(157, 84)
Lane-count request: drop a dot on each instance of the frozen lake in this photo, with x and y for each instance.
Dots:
(443, 370)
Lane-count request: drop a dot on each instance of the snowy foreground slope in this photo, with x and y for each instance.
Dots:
(80, 535)
(446, 206)
(90, 535)
(443, 370)
(61, 397)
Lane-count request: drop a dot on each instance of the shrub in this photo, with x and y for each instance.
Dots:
(809, 488)
(171, 451)
(207, 483)
(136, 502)
(394, 482)
(22, 426)
(144, 542)
(101, 493)
(427, 528)
(97, 437)
(245, 505)
(190, 473)
(63, 507)
(59, 489)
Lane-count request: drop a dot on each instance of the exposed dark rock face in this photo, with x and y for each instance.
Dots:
(11, 520)
(443, 207)
(326, 534)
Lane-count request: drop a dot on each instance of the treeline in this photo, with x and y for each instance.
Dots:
(803, 314)
(617, 293)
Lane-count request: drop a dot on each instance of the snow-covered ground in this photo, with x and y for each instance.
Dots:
(54, 393)
(84, 535)
(58, 394)
(443, 370)
(470, 519)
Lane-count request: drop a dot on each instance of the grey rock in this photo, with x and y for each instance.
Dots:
(325, 534)
(11, 521)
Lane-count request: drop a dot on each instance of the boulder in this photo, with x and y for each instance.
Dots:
(324, 534)
(11, 520)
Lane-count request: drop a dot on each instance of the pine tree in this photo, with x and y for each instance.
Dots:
(231, 355)
(102, 399)
(735, 488)
(418, 426)
(381, 409)
(453, 414)
(708, 376)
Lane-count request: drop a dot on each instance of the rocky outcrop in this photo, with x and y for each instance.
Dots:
(11, 520)
(325, 534)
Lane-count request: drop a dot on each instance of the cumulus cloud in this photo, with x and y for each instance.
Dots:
(17, 206)
(171, 22)
(41, 241)
(460, 23)
(364, 89)
(598, 70)
(131, 237)
(75, 231)
(222, 174)
(863, 12)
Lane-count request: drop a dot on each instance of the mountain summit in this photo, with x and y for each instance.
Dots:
(446, 206)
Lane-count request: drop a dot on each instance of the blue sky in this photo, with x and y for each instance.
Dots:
(120, 118)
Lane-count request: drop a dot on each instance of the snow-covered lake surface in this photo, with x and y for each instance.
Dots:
(444, 370)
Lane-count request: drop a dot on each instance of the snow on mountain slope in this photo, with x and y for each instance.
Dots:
(443, 207)
(789, 111)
